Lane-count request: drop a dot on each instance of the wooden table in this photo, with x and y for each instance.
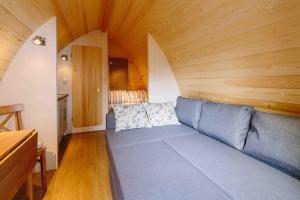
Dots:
(17, 159)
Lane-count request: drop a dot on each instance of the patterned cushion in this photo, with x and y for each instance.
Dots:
(130, 116)
(161, 114)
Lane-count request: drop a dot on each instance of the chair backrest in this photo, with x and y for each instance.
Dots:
(9, 112)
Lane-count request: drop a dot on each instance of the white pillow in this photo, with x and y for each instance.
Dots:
(130, 116)
(161, 114)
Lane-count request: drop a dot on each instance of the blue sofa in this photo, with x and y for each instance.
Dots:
(219, 151)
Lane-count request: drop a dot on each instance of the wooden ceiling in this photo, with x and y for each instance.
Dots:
(238, 51)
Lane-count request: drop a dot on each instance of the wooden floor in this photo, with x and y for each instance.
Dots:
(83, 173)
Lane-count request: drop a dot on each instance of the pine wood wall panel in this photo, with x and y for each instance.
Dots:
(135, 79)
(239, 51)
(249, 55)
(118, 74)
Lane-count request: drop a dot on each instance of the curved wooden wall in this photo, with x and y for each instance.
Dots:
(235, 51)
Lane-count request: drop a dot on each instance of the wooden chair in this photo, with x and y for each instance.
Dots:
(10, 111)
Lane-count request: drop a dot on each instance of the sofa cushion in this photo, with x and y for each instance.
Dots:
(275, 139)
(154, 171)
(188, 111)
(228, 123)
(130, 117)
(241, 176)
(143, 135)
(161, 114)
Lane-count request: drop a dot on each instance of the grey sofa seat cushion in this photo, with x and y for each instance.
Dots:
(154, 171)
(228, 123)
(188, 111)
(275, 139)
(241, 176)
(143, 135)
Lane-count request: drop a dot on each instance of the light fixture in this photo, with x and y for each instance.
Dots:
(64, 57)
(38, 40)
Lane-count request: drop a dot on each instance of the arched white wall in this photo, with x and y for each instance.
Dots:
(64, 76)
(162, 85)
(31, 80)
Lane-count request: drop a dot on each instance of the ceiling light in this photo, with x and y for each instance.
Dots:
(64, 57)
(38, 40)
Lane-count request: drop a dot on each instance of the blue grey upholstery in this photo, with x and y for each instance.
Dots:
(110, 120)
(143, 135)
(241, 176)
(275, 139)
(228, 123)
(188, 111)
(177, 162)
(154, 171)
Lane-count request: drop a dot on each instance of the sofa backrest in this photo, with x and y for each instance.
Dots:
(188, 111)
(275, 139)
(226, 122)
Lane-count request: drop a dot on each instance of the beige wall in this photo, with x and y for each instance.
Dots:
(31, 80)
(162, 85)
(64, 76)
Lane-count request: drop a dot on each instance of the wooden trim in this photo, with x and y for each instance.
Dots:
(11, 111)
(22, 137)
(62, 96)
(29, 187)
(16, 166)
(11, 108)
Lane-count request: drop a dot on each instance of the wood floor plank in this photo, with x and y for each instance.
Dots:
(83, 173)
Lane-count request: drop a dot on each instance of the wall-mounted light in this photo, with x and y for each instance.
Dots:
(38, 40)
(64, 57)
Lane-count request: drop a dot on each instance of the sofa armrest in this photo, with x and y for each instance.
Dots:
(110, 120)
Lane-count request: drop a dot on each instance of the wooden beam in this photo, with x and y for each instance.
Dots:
(107, 5)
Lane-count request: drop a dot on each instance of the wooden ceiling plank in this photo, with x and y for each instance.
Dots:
(107, 10)
(235, 50)
(9, 23)
(227, 28)
(70, 9)
(119, 10)
(64, 34)
(137, 13)
(24, 12)
(93, 11)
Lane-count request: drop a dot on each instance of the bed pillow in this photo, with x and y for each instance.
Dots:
(188, 111)
(226, 122)
(160, 114)
(275, 139)
(130, 117)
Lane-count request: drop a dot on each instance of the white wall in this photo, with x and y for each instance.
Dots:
(162, 85)
(31, 80)
(64, 76)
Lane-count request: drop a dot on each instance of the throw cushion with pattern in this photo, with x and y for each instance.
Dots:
(130, 117)
(161, 114)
